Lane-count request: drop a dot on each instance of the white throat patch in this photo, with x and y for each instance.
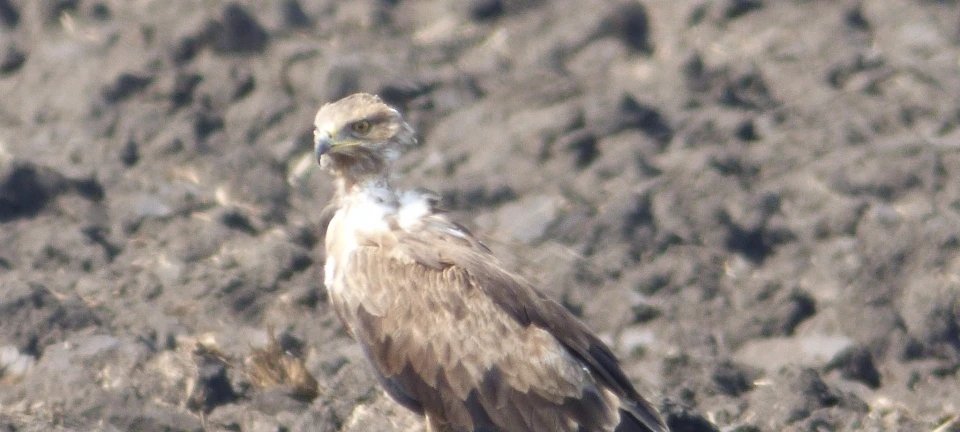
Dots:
(363, 213)
(414, 206)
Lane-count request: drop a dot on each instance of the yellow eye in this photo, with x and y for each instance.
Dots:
(361, 127)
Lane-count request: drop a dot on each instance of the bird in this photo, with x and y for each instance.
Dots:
(451, 334)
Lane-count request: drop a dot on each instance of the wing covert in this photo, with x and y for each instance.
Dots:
(434, 332)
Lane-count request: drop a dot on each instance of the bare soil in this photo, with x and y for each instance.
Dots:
(756, 202)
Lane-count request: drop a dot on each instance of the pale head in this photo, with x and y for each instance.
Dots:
(356, 137)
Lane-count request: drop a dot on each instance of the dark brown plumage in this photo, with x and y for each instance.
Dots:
(451, 334)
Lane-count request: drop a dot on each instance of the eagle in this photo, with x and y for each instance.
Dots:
(452, 335)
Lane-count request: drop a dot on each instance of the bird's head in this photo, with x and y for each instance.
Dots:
(359, 135)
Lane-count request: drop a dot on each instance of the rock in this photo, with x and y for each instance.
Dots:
(772, 354)
(527, 220)
(637, 340)
(235, 219)
(238, 417)
(25, 189)
(815, 392)
(12, 59)
(886, 179)
(757, 236)
(855, 19)
(747, 131)
(634, 114)
(237, 32)
(14, 364)
(862, 71)
(243, 82)
(382, 414)
(183, 87)
(401, 92)
(477, 196)
(629, 23)
(644, 311)
(315, 420)
(9, 14)
(583, 147)
(94, 346)
(733, 379)
(159, 418)
(254, 268)
(206, 122)
(293, 14)
(51, 11)
(100, 11)
(124, 86)
(484, 10)
(748, 91)
(186, 48)
(697, 77)
(737, 8)
(149, 206)
(856, 363)
(680, 418)
(94, 375)
(931, 313)
(803, 396)
(785, 310)
(36, 318)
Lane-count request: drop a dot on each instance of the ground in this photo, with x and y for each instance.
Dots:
(755, 202)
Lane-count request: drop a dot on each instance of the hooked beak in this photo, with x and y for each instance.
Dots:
(322, 145)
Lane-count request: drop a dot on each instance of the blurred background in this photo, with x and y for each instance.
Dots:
(755, 202)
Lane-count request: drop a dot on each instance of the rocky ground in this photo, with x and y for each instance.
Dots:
(756, 202)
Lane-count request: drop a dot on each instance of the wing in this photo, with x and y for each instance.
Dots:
(454, 335)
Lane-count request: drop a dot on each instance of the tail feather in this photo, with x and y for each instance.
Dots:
(640, 417)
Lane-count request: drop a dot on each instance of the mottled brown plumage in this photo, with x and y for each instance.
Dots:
(451, 334)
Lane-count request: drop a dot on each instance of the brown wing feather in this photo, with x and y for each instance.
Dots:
(529, 306)
(477, 348)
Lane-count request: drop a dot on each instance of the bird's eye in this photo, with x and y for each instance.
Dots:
(361, 127)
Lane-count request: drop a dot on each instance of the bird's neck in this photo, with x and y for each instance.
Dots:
(359, 169)
(373, 185)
